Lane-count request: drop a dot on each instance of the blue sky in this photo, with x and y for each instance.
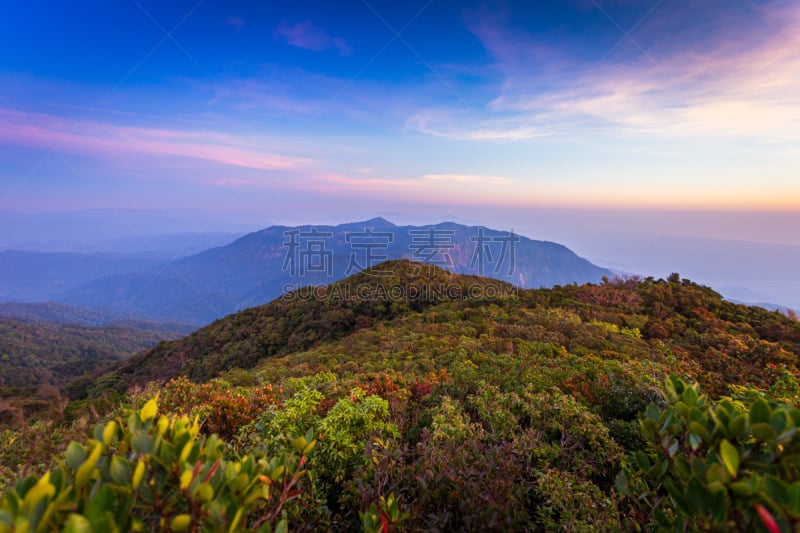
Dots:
(370, 107)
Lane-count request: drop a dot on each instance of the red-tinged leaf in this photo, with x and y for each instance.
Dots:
(384, 522)
(211, 472)
(767, 519)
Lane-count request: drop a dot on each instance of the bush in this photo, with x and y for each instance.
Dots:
(222, 409)
(716, 465)
(156, 473)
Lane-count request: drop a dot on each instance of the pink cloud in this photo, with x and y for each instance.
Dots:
(310, 37)
(744, 87)
(107, 140)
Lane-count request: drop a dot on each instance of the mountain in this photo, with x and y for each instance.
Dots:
(301, 319)
(38, 352)
(369, 312)
(39, 276)
(263, 265)
(439, 402)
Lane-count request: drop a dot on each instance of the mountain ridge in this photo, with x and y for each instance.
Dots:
(301, 318)
(256, 268)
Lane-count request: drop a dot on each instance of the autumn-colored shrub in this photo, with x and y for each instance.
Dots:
(223, 409)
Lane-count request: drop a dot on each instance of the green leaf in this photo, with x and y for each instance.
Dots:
(99, 506)
(764, 431)
(621, 483)
(793, 498)
(142, 442)
(120, 470)
(77, 524)
(729, 456)
(759, 412)
(662, 520)
(309, 447)
(642, 460)
(716, 473)
(282, 527)
(737, 426)
(698, 495)
(42, 489)
(689, 396)
(699, 430)
(779, 421)
(237, 519)
(677, 494)
(777, 489)
(719, 506)
(76, 455)
(299, 443)
(741, 488)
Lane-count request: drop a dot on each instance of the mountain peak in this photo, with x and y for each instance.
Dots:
(399, 274)
(263, 265)
(377, 222)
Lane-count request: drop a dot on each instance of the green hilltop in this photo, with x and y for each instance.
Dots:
(301, 319)
(409, 398)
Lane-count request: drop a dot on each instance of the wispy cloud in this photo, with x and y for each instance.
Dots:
(310, 37)
(743, 88)
(109, 141)
(472, 127)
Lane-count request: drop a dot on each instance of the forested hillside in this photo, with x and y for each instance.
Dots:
(36, 352)
(623, 405)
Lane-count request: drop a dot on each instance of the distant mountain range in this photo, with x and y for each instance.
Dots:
(263, 265)
(260, 266)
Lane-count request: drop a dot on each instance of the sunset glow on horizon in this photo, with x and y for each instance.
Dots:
(678, 105)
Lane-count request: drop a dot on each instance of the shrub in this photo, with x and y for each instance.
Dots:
(222, 409)
(716, 465)
(156, 473)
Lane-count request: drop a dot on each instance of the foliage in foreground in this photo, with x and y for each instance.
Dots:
(717, 466)
(526, 460)
(155, 473)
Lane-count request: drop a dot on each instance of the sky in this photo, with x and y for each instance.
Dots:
(303, 112)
